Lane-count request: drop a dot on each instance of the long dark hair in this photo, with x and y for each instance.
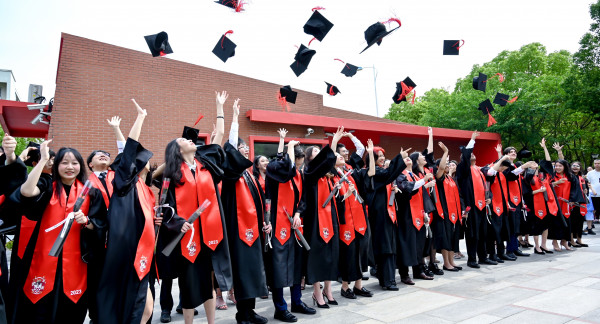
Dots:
(308, 154)
(567, 168)
(173, 161)
(414, 156)
(255, 170)
(60, 155)
(580, 173)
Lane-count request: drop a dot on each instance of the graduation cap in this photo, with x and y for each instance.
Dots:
(501, 99)
(349, 70)
(225, 48)
(487, 108)
(302, 59)
(376, 32)
(523, 154)
(451, 47)
(317, 25)
(332, 90)
(402, 89)
(190, 133)
(238, 5)
(33, 155)
(159, 44)
(480, 82)
(285, 95)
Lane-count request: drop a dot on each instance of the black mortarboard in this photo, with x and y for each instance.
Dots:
(487, 108)
(33, 155)
(375, 34)
(402, 89)
(350, 70)
(332, 90)
(159, 44)
(523, 154)
(479, 82)
(190, 133)
(302, 59)
(451, 47)
(287, 93)
(235, 4)
(501, 99)
(225, 48)
(317, 25)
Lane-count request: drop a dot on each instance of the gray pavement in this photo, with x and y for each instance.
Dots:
(563, 287)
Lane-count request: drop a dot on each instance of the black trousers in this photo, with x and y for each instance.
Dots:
(416, 270)
(386, 269)
(476, 246)
(596, 203)
(244, 309)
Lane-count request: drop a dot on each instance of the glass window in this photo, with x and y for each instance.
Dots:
(269, 149)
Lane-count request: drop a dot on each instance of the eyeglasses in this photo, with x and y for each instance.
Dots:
(243, 147)
(102, 153)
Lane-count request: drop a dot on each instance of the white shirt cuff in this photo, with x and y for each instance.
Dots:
(517, 171)
(491, 172)
(120, 146)
(471, 144)
(419, 184)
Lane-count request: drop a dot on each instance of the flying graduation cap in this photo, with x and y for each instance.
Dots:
(452, 47)
(487, 108)
(480, 82)
(376, 32)
(317, 25)
(403, 89)
(302, 59)
(238, 5)
(332, 90)
(285, 95)
(501, 99)
(349, 70)
(523, 153)
(191, 133)
(159, 44)
(225, 48)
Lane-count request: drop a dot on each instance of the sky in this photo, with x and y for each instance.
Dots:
(268, 31)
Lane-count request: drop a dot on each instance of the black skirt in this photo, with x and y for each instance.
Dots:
(195, 279)
(441, 237)
(537, 225)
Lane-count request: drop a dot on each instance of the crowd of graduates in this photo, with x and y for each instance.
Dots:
(223, 222)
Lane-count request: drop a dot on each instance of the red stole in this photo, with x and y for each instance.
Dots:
(347, 234)
(195, 189)
(438, 203)
(478, 187)
(416, 203)
(452, 199)
(499, 194)
(325, 223)
(390, 209)
(563, 190)
(583, 208)
(539, 204)
(247, 219)
(514, 189)
(285, 199)
(110, 175)
(261, 181)
(358, 213)
(27, 227)
(145, 248)
(42, 272)
(298, 183)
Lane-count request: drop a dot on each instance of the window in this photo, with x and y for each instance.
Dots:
(267, 145)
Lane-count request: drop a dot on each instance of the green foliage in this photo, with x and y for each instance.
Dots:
(544, 107)
(21, 141)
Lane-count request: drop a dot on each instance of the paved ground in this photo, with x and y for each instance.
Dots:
(558, 288)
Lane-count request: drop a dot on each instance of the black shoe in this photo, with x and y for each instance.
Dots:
(457, 267)
(285, 316)
(450, 269)
(407, 281)
(423, 276)
(473, 264)
(179, 310)
(582, 245)
(165, 316)
(315, 302)
(521, 253)
(591, 232)
(507, 257)
(540, 253)
(391, 287)
(257, 319)
(488, 261)
(303, 309)
(348, 293)
(497, 259)
(434, 268)
(243, 322)
(511, 255)
(365, 278)
(363, 292)
(427, 271)
(330, 302)
(547, 251)
(373, 271)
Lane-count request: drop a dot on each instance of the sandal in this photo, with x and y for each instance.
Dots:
(221, 305)
(231, 297)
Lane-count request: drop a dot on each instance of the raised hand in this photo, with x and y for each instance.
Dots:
(404, 153)
(499, 148)
(115, 121)
(9, 144)
(140, 111)
(45, 151)
(370, 146)
(221, 97)
(443, 147)
(557, 146)
(282, 132)
(475, 135)
(236, 107)
(339, 134)
(293, 143)
(429, 131)
(543, 143)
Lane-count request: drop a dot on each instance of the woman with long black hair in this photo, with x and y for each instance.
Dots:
(195, 174)
(259, 170)
(579, 210)
(54, 288)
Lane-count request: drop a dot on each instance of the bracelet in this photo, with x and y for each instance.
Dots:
(221, 117)
(88, 221)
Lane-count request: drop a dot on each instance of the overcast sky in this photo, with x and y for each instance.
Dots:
(266, 32)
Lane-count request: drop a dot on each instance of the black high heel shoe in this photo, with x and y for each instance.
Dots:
(547, 251)
(330, 302)
(316, 303)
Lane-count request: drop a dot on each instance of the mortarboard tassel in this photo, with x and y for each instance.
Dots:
(500, 77)
(393, 19)
(458, 47)
(346, 65)
(199, 119)
(331, 93)
(513, 99)
(311, 41)
(413, 98)
(283, 102)
(405, 90)
(224, 35)
(239, 6)
(318, 8)
(491, 120)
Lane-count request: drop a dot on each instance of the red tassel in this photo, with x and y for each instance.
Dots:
(339, 60)
(318, 8)
(458, 47)
(311, 41)
(225, 35)
(491, 120)
(199, 119)
(284, 104)
(413, 98)
(240, 6)
(162, 53)
(393, 19)
(501, 76)
(331, 93)
(405, 91)
(513, 99)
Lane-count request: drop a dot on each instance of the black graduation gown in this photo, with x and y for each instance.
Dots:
(465, 184)
(283, 263)
(410, 240)
(55, 307)
(360, 178)
(443, 228)
(536, 225)
(514, 217)
(122, 298)
(496, 221)
(383, 239)
(11, 177)
(322, 259)
(247, 261)
(195, 280)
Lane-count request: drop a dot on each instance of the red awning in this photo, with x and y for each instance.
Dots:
(16, 119)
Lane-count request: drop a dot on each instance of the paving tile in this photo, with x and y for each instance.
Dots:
(555, 301)
(530, 316)
(481, 319)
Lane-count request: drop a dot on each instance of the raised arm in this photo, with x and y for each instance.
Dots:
(430, 142)
(282, 133)
(443, 161)
(546, 153)
(220, 128)
(336, 137)
(29, 188)
(558, 149)
(499, 150)
(498, 163)
(136, 129)
(115, 124)
(370, 147)
(9, 144)
(291, 153)
(360, 148)
(234, 130)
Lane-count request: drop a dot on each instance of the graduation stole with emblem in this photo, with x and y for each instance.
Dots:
(583, 208)
(478, 187)
(563, 190)
(285, 199)
(145, 248)
(354, 215)
(498, 194)
(452, 199)
(247, 215)
(325, 223)
(514, 189)
(539, 199)
(391, 209)
(416, 203)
